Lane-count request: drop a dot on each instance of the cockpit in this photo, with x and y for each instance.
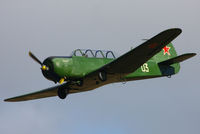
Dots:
(94, 53)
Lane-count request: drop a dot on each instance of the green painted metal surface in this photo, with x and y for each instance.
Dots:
(78, 66)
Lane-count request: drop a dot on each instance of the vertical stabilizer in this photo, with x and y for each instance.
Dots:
(168, 52)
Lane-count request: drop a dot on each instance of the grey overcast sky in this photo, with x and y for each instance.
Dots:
(56, 27)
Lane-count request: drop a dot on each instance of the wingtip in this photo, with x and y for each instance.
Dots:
(179, 29)
(29, 53)
(173, 31)
(193, 54)
(6, 100)
(176, 30)
(10, 100)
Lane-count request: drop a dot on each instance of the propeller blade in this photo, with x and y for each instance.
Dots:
(35, 58)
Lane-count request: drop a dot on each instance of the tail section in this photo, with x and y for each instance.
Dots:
(166, 53)
(168, 61)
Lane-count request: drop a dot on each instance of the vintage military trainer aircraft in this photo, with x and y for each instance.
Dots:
(87, 69)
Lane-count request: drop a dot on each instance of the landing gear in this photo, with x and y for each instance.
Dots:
(62, 93)
(102, 76)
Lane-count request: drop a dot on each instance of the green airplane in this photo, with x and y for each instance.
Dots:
(86, 70)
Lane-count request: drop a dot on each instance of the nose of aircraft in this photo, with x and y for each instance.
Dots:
(48, 70)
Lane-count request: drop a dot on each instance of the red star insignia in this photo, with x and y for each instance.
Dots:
(166, 50)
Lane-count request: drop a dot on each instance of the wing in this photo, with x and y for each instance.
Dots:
(49, 92)
(132, 60)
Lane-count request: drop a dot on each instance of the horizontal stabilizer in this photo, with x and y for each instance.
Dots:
(177, 59)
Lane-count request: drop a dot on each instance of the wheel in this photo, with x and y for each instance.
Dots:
(62, 93)
(102, 76)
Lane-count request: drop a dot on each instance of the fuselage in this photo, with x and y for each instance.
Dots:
(75, 67)
(84, 62)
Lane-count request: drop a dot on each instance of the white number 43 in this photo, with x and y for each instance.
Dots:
(145, 67)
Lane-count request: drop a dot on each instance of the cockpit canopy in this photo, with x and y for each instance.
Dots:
(94, 53)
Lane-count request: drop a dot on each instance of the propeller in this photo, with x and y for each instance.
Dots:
(43, 67)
